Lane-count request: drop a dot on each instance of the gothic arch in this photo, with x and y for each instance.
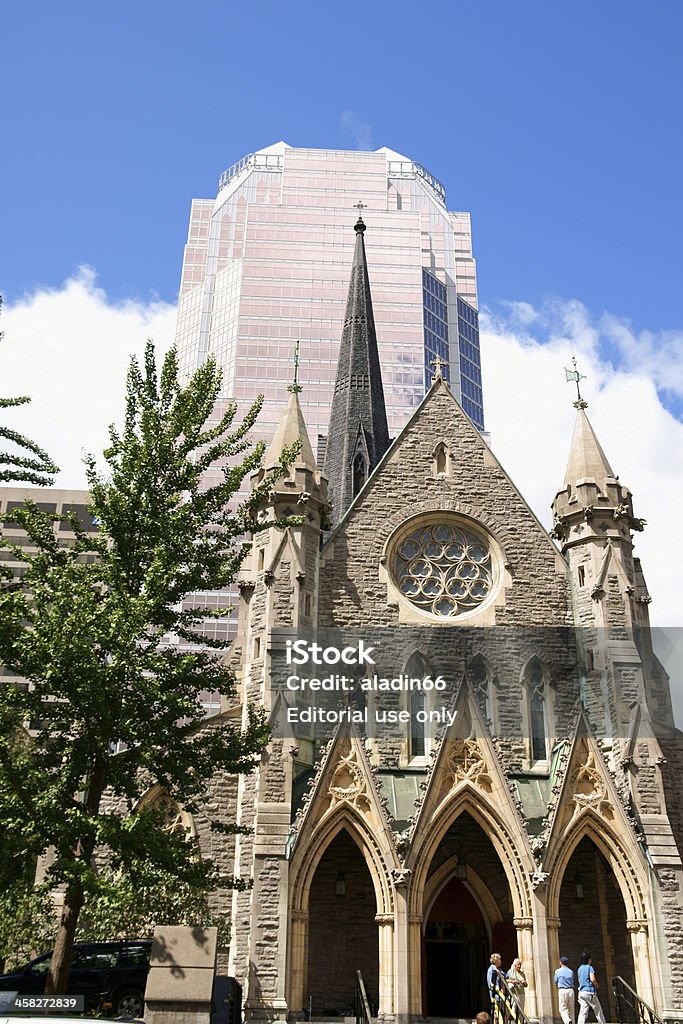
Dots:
(441, 460)
(176, 818)
(608, 842)
(474, 883)
(471, 800)
(308, 854)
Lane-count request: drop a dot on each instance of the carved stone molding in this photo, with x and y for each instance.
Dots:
(588, 789)
(523, 923)
(400, 876)
(348, 782)
(384, 918)
(466, 762)
(637, 925)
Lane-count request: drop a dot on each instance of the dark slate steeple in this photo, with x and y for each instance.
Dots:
(358, 435)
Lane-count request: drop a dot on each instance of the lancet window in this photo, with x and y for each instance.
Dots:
(480, 681)
(537, 710)
(360, 472)
(417, 668)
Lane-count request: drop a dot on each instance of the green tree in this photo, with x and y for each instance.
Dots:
(28, 463)
(115, 704)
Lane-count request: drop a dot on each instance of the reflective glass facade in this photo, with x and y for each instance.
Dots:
(268, 260)
(436, 340)
(267, 263)
(470, 362)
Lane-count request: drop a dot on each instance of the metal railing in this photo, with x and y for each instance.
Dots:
(504, 1007)
(363, 1015)
(631, 1009)
(264, 161)
(409, 169)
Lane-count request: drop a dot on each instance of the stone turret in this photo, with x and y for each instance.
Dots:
(594, 522)
(278, 591)
(358, 435)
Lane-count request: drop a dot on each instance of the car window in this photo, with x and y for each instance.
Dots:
(41, 965)
(94, 959)
(135, 955)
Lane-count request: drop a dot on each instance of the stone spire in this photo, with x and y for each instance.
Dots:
(587, 460)
(592, 501)
(290, 429)
(358, 435)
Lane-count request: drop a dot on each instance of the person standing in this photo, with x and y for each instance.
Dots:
(493, 974)
(564, 979)
(517, 982)
(588, 995)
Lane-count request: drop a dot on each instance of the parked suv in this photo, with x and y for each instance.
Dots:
(111, 975)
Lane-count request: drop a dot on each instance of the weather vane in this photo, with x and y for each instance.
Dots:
(295, 386)
(576, 377)
(438, 363)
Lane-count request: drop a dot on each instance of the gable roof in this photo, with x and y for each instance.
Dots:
(439, 388)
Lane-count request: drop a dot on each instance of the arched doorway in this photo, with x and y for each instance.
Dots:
(593, 920)
(455, 944)
(343, 934)
(468, 913)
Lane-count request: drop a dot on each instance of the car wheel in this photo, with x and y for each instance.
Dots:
(129, 1003)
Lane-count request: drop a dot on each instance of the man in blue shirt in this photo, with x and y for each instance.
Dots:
(588, 997)
(564, 979)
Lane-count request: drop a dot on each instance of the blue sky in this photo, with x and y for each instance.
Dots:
(558, 125)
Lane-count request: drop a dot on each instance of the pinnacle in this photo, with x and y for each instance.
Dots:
(290, 429)
(587, 460)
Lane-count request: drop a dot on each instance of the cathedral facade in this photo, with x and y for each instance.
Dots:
(542, 816)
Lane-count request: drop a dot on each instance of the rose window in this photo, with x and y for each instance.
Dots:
(443, 569)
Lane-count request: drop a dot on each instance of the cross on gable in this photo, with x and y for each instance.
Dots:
(438, 363)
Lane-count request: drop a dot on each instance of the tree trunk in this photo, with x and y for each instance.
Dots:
(57, 981)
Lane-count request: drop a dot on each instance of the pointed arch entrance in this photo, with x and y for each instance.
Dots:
(343, 934)
(593, 919)
(468, 912)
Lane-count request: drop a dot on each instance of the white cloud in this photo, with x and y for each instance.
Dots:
(530, 417)
(69, 349)
(357, 131)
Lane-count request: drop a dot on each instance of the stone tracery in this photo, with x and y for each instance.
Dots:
(444, 568)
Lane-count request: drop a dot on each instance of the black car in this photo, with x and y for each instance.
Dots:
(111, 975)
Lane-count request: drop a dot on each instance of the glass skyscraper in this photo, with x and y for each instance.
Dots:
(267, 262)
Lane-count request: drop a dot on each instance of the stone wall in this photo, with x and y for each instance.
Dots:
(343, 934)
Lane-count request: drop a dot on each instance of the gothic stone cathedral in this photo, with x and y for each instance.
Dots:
(546, 819)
